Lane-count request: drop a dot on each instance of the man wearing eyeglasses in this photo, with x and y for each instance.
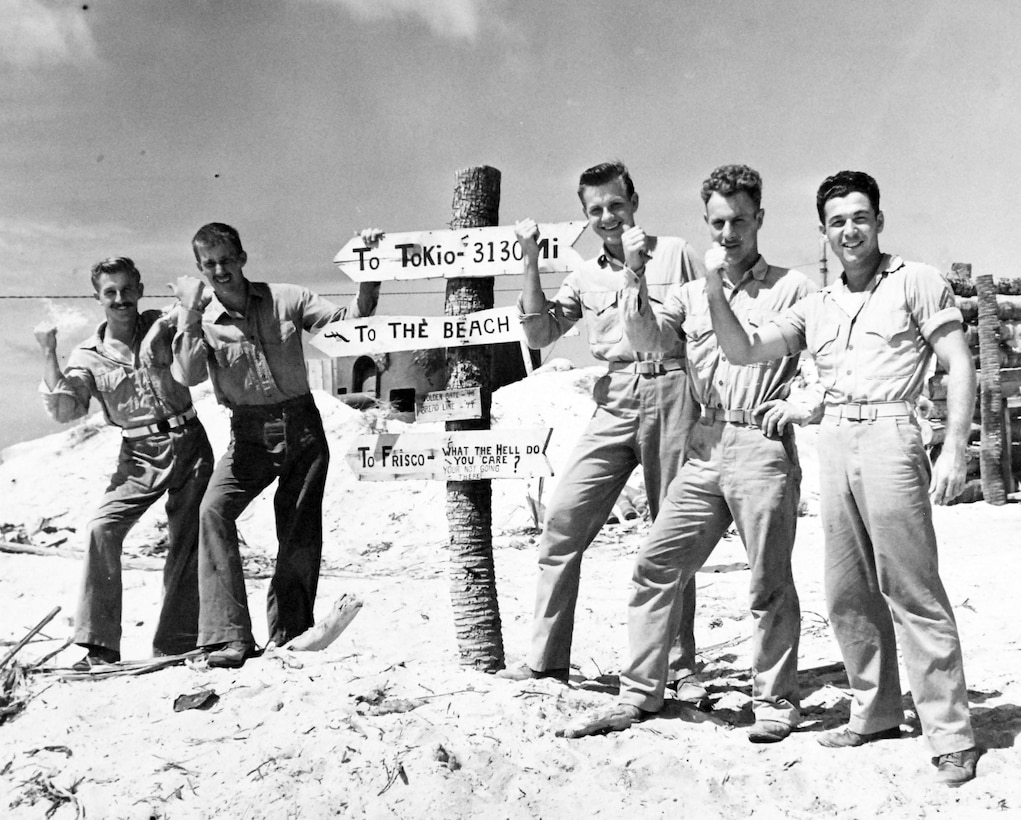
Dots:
(164, 451)
(248, 339)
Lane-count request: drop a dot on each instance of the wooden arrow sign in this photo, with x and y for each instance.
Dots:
(384, 334)
(468, 252)
(464, 455)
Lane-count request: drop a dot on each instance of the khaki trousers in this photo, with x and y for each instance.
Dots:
(639, 419)
(883, 583)
(732, 473)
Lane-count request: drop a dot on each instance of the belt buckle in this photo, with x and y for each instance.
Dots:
(860, 413)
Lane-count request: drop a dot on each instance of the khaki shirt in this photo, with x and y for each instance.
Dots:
(594, 293)
(762, 294)
(257, 358)
(130, 395)
(872, 346)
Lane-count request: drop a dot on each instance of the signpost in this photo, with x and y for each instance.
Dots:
(383, 334)
(463, 455)
(469, 252)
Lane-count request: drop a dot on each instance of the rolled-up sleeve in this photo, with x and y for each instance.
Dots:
(190, 350)
(557, 317)
(69, 399)
(930, 299)
(317, 312)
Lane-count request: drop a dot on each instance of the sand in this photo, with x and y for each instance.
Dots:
(384, 723)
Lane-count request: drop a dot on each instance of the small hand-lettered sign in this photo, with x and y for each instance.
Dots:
(464, 455)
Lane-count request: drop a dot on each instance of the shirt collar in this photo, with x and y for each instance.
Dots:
(606, 260)
(216, 310)
(95, 341)
(757, 271)
(888, 263)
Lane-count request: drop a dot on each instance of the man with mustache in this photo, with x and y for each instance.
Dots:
(164, 451)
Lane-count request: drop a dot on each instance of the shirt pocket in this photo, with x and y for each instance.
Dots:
(890, 341)
(758, 318)
(602, 317)
(755, 320)
(701, 345)
(822, 344)
(233, 361)
(279, 334)
(108, 382)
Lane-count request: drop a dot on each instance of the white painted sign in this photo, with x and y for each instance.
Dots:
(464, 455)
(383, 334)
(464, 403)
(467, 252)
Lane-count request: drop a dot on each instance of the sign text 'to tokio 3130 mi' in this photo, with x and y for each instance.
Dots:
(447, 254)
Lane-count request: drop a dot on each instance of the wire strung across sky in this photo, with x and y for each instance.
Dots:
(388, 291)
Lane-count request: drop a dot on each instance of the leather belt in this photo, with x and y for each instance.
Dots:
(868, 411)
(161, 426)
(746, 417)
(647, 368)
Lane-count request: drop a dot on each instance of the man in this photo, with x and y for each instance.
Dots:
(164, 450)
(249, 341)
(741, 467)
(873, 334)
(642, 415)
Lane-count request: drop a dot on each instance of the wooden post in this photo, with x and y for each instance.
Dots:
(469, 503)
(990, 396)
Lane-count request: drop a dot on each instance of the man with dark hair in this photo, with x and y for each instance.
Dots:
(164, 450)
(741, 467)
(248, 340)
(873, 334)
(642, 415)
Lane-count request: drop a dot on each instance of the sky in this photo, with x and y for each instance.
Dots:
(124, 126)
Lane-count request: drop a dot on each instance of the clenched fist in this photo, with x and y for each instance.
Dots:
(46, 336)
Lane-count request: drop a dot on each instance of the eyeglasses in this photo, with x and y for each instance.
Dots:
(213, 264)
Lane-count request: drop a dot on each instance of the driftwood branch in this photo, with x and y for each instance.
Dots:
(329, 628)
(127, 561)
(31, 634)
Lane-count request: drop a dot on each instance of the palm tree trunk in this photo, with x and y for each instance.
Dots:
(470, 503)
(990, 395)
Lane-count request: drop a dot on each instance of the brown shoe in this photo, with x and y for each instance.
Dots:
(230, 655)
(524, 672)
(847, 738)
(956, 768)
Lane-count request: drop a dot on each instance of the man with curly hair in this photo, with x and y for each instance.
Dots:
(741, 467)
